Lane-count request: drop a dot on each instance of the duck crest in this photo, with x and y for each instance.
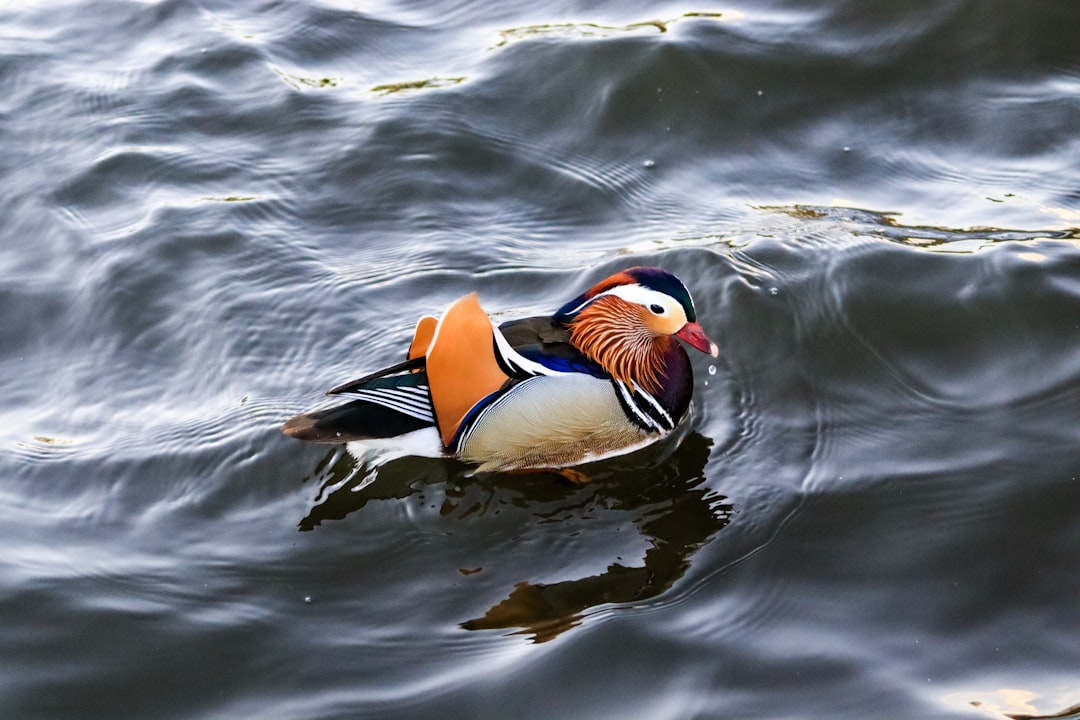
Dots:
(612, 332)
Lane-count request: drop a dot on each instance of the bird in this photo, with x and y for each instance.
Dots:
(603, 376)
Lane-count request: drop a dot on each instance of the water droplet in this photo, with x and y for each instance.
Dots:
(649, 163)
(307, 599)
(774, 291)
(712, 369)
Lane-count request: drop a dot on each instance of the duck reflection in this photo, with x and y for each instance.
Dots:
(347, 484)
(665, 495)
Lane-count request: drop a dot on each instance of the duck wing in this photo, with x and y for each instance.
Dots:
(546, 341)
(383, 407)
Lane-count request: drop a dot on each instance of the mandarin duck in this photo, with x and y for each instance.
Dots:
(601, 377)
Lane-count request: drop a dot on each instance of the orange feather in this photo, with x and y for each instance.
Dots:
(422, 337)
(461, 365)
(613, 332)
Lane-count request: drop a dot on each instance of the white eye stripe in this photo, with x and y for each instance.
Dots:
(643, 296)
(640, 295)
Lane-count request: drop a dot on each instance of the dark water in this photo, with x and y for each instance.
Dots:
(214, 211)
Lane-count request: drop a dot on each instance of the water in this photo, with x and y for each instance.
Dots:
(213, 213)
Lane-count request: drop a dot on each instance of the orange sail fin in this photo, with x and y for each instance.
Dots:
(461, 365)
(425, 331)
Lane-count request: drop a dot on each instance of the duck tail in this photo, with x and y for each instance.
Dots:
(382, 407)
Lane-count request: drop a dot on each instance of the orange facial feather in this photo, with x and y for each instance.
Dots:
(614, 333)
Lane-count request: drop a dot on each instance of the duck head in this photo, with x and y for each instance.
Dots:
(627, 323)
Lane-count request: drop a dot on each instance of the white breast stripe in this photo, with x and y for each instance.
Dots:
(628, 402)
(664, 417)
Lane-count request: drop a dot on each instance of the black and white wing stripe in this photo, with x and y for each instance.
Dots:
(414, 401)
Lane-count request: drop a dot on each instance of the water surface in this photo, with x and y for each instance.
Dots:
(214, 213)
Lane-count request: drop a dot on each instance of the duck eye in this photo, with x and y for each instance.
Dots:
(658, 309)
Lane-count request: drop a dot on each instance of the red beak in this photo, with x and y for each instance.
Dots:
(693, 334)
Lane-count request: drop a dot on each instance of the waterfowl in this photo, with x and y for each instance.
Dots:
(603, 376)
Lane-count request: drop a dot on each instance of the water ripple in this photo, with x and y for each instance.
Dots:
(211, 215)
